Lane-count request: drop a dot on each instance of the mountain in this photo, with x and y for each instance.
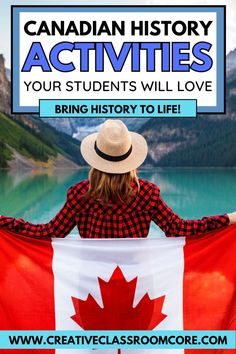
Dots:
(8, 74)
(187, 142)
(231, 61)
(207, 141)
(81, 127)
(231, 93)
(36, 145)
(5, 89)
(27, 141)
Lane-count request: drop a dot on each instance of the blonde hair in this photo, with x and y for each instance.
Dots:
(110, 188)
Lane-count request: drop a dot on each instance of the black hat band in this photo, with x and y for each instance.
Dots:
(110, 157)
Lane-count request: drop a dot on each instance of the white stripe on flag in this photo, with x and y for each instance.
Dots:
(158, 265)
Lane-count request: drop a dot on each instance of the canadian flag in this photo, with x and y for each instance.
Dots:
(127, 284)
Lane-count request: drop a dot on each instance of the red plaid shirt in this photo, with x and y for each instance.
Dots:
(95, 220)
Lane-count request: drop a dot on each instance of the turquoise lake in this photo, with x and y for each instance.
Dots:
(192, 193)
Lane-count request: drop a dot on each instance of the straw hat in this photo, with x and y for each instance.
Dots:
(114, 149)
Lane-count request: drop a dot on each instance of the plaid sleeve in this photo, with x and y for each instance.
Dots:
(59, 226)
(173, 225)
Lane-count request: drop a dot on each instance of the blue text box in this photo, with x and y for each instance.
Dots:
(118, 108)
(118, 339)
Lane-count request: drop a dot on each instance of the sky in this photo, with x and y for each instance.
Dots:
(6, 4)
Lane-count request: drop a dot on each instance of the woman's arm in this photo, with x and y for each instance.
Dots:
(59, 226)
(173, 225)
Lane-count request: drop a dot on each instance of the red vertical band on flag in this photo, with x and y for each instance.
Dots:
(209, 286)
(27, 285)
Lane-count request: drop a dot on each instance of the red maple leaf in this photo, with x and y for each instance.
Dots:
(118, 312)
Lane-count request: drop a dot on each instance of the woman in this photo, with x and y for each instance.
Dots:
(114, 203)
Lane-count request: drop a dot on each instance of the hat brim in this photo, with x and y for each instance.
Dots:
(133, 161)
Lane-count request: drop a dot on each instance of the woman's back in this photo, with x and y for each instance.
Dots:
(132, 219)
(95, 219)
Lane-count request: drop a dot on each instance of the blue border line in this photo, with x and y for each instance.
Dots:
(16, 65)
(119, 8)
(220, 106)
